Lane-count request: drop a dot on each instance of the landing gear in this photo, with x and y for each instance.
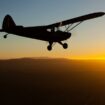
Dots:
(65, 45)
(49, 47)
(5, 36)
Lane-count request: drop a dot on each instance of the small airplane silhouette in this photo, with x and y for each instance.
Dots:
(50, 33)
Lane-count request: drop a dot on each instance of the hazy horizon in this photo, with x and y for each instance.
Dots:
(97, 59)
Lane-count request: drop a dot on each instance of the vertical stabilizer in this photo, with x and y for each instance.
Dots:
(8, 23)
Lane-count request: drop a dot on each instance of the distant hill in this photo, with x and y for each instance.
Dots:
(46, 81)
(50, 64)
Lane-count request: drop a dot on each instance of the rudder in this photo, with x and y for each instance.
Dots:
(8, 23)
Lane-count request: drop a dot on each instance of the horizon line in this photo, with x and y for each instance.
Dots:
(52, 58)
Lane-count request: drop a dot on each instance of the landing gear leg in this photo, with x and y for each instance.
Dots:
(65, 45)
(49, 47)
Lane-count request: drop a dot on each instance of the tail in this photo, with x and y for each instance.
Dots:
(8, 23)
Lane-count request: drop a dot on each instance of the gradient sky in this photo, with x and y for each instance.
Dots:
(87, 41)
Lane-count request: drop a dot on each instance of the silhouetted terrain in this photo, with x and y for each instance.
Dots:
(52, 82)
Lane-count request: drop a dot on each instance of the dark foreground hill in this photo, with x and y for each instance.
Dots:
(52, 82)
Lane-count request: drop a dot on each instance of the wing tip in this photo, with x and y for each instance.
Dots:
(101, 13)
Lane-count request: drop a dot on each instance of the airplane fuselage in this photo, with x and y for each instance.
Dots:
(39, 33)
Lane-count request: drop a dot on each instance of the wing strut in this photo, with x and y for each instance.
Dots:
(68, 30)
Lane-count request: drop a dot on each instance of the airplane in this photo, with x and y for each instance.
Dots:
(50, 33)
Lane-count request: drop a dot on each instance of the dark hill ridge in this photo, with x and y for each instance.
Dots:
(47, 81)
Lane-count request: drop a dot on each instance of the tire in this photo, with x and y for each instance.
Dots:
(65, 45)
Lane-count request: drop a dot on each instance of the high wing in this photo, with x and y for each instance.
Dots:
(77, 19)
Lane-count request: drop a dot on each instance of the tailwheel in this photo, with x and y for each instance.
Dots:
(65, 45)
(5, 36)
(49, 47)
